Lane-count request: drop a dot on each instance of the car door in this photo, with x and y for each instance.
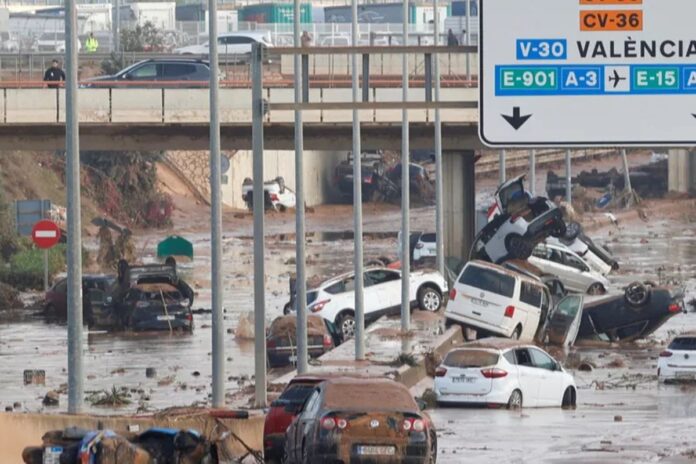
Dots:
(564, 321)
(529, 377)
(550, 378)
(178, 72)
(295, 432)
(576, 272)
(386, 285)
(148, 72)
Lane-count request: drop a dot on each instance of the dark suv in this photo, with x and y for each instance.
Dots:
(182, 72)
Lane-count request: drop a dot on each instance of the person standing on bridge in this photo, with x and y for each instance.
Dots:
(452, 39)
(54, 74)
(92, 43)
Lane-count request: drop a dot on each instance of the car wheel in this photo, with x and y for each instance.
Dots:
(637, 294)
(287, 308)
(517, 333)
(515, 401)
(559, 230)
(518, 247)
(282, 208)
(346, 324)
(429, 299)
(596, 289)
(568, 399)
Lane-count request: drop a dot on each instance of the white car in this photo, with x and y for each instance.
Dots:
(422, 245)
(233, 43)
(53, 42)
(570, 268)
(502, 372)
(596, 256)
(334, 300)
(678, 361)
(277, 196)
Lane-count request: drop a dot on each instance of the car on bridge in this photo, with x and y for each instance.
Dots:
(233, 45)
(157, 73)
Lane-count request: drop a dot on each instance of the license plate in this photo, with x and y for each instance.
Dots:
(165, 318)
(377, 450)
(52, 454)
(463, 379)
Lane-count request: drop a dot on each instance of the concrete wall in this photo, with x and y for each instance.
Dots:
(682, 170)
(318, 172)
(459, 202)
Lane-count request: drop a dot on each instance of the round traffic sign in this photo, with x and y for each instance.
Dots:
(45, 234)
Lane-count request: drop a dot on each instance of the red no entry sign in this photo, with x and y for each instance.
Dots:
(45, 234)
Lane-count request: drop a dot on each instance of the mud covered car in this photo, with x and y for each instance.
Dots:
(281, 339)
(518, 222)
(276, 195)
(56, 303)
(361, 421)
(638, 312)
(150, 297)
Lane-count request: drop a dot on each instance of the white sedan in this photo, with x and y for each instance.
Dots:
(496, 371)
(334, 300)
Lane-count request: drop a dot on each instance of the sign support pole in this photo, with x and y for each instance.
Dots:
(45, 256)
(569, 177)
(532, 172)
(405, 185)
(439, 195)
(501, 166)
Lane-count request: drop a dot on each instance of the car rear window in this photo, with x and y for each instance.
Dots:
(488, 280)
(296, 394)
(470, 358)
(683, 343)
(428, 238)
(369, 396)
(530, 294)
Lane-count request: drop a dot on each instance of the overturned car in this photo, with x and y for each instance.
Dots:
(518, 222)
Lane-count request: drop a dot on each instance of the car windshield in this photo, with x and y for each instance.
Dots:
(295, 394)
(470, 358)
(488, 280)
(683, 344)
(570, 305)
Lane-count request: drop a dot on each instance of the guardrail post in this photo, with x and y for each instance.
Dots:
(305, 78)
(366, 77)
(428, 85)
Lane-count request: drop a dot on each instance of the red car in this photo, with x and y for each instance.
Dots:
(282, 412)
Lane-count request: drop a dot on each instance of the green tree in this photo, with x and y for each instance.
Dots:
(143, 38)
(9, 240)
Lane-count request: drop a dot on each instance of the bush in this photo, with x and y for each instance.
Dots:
(25, 269)
(145, 38)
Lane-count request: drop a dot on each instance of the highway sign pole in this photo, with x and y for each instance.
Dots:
(72, 152)
(301, 278)
(627, 178)
(45, 235)
(45, 260)
(439, 195)
(258, 207)
(218, 324)
(405, 185)
(569, 176)
(357, 197)
(501, 166)
(532, 172)
(562, 73)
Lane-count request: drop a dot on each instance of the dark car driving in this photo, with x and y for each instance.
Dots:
(637, 313)
(180, 73)
(361, 421)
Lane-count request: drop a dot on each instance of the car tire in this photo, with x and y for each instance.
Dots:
(572, 231)
(287, 309)
(346, 324)
(429, 299)
(569, 399)
(637, 294)
(518, 247)
(515, 401)
(596, 288)
(375, 262)
(560, 229)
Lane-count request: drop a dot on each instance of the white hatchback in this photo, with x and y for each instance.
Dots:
(334, 300)
(678, 362)
(571, 269)
(501, 372)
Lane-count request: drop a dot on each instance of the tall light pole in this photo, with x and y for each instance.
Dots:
(405, 185)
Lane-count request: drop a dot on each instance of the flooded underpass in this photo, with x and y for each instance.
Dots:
(623, 414)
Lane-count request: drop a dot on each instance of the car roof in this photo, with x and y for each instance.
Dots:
(386, 394)
(502, 270)
(345, 275)
(495, 343)
(245, 34)
(174, 60)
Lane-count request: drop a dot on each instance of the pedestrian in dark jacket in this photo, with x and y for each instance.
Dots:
(54, 74)
(452, 39)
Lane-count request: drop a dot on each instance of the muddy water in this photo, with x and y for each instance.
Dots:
(657, 421)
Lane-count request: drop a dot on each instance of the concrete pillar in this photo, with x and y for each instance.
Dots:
(459, 202)
(682, 170)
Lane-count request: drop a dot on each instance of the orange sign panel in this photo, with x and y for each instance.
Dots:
(611, 20)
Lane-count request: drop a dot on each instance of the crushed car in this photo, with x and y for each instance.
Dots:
(281, 339)
(487, 299)
(56, 299)
(571, 269)
(334, 299)
(374, 183)
(518, 222)
(277, 196)
(361, 420)
(149, 298)
(595, 255)
(639, 311)
(503, 372)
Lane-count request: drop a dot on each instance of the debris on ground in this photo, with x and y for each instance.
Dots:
(52, 398)
(116, 397)
(245, 327)
(9, 297)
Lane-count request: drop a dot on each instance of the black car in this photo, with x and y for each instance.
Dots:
(637, 313)
(156, 72)
(56, 303)
(418, 176)
(372, 170)
(281, 340)
(361, 420)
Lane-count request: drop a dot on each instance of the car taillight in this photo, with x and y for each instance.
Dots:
(273, 197)
(368, 180)
(666, 354)
(510, 311)
(189, 317)
(330, 423)
(341, 424)
(453, 294)
(674, 308)
(440, 372)
(319, 305)
(416, 425)
(493, 373)
(327, 341)
(491, 210)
